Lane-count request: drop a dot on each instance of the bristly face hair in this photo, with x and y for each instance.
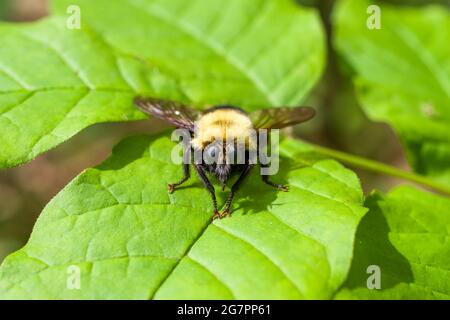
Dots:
(218, 132)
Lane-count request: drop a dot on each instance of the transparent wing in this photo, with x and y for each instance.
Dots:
(169, 111)
(277, 118)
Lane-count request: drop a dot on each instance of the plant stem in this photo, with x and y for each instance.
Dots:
(379, 167)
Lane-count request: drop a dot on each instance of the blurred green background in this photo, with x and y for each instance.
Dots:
(340, 124)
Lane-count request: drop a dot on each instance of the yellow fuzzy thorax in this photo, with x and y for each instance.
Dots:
(224, 125)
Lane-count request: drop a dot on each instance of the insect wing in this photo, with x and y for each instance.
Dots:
(277, 118)
(167, 110)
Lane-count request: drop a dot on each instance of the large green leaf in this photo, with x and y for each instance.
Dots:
(406, 234)
(55, 81)
(131, 239)
(403, 76)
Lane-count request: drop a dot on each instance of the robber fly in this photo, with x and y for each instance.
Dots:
(216, 132)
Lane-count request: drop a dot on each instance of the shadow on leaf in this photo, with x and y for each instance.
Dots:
(256, 196)
(373, 247)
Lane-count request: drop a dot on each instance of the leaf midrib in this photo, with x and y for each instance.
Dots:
(217, 48)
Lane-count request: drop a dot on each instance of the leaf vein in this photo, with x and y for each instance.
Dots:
(263, 254)
(190, 30)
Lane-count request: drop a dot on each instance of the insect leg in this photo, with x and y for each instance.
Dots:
(172, 186)
(234, 189)
(209, 186)
(266, 180)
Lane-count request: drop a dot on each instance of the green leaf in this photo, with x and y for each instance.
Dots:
(403, 76)
(131, 239)
(265, 52)
(55, 81)
(406, 234)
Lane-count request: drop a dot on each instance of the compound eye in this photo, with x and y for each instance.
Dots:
(212, 151)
